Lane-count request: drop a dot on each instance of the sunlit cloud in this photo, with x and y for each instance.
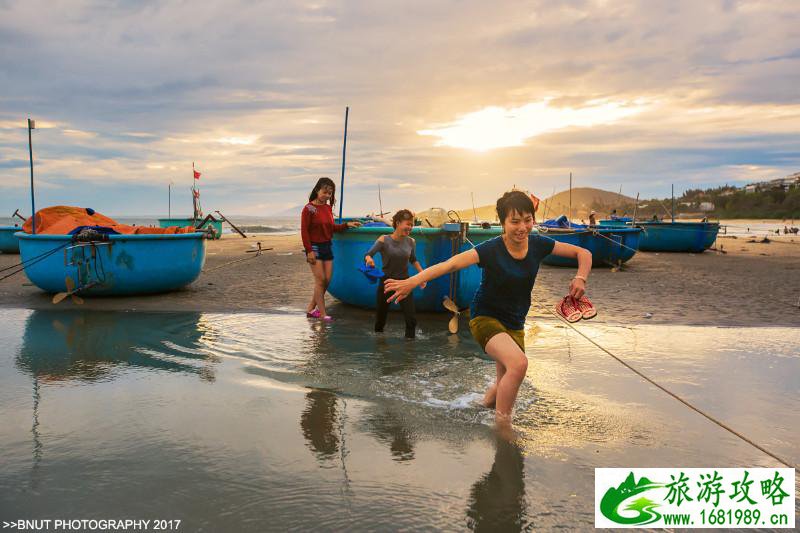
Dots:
(79, 134)
(247, 140)
(497, 127)
(640, 94)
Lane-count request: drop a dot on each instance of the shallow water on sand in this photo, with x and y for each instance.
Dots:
(270, 421)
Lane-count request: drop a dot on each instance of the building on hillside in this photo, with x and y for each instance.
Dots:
(706, 206)
(789, 182)
(792, 180)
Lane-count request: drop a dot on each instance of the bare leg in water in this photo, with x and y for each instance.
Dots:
(489, 399)
(320, 286)
(512, 365)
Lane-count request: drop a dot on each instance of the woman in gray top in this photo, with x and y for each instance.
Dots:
(397, 252)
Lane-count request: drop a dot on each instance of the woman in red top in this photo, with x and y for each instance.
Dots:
(317, 228)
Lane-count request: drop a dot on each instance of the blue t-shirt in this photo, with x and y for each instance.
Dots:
(506, 283)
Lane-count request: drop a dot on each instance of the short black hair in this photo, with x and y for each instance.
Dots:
(403, 214)
(514, 201)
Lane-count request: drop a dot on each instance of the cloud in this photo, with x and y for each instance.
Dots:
(496, 127)
(254, 93)
(14, 163)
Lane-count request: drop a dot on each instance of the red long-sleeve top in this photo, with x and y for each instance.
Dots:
(316, 224)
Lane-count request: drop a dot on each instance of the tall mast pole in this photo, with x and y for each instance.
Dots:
(32, 125)
(344, 153)
(569, 218)
(673, 202)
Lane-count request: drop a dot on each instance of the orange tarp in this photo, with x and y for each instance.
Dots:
(62, 219)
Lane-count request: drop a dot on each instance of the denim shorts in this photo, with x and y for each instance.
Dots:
(322, 250)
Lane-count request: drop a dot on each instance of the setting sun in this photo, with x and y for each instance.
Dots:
(497, 127)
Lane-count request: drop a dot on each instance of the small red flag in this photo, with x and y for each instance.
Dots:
(196, 175)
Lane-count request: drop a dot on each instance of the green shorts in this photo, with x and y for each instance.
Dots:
(484, 328)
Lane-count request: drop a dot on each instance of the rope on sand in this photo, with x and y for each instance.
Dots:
(256, 253)
(229, 263)
(674, 395)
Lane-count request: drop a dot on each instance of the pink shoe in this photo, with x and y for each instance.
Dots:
(586, 308)
(313, 314)
(327, 318)
(567, 309)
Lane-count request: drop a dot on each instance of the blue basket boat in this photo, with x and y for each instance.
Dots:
(122, 264)
(9, 244)
(671, 236)
(216, 225)
(434, 245)
(609, 246)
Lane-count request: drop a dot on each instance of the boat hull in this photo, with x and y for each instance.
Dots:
(434, 245)
(189, 223)
(9, 244)
(609, 246)
(125, 264)
(693, 237)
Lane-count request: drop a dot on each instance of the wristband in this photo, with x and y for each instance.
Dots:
(580, 278)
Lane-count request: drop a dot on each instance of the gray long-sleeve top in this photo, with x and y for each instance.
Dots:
(396, 255)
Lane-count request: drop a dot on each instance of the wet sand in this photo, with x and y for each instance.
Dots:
(756, 284)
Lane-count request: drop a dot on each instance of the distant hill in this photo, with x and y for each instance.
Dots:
(584, 200)
(291, 212)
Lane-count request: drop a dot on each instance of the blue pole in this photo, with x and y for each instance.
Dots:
(31, 125)
(673, 202)
(344, 153)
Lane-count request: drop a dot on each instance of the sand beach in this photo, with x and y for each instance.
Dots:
(227, 388)
(752, 283)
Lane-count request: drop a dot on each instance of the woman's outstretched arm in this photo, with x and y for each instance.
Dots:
(403, 287)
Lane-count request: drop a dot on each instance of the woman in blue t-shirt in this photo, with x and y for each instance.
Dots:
(510, 263)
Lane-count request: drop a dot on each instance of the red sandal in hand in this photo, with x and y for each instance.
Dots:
(568, 310)
(586, 308)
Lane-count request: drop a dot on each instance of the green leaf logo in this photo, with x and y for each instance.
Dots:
(645, 508)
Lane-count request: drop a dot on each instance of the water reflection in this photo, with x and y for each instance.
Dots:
(322, 424)
(319, 423)
(497, 500)
(65, 345)
(387, 426)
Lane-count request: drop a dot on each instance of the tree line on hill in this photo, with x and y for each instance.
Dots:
(728, 202)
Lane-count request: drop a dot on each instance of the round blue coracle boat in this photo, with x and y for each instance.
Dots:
(434, 245)
(115, 265)
(9, 244)
(609, 246)
(660, 236)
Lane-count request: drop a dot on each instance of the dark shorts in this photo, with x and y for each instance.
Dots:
(484, 328)
(322, 250)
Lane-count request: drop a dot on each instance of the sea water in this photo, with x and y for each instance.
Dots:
(254, 422)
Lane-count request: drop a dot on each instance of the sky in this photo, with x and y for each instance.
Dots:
(447, 99)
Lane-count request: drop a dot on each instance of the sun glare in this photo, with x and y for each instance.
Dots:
(497, 127)
(245, 140)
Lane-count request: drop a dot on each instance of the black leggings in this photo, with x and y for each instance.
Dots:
(382, 309)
